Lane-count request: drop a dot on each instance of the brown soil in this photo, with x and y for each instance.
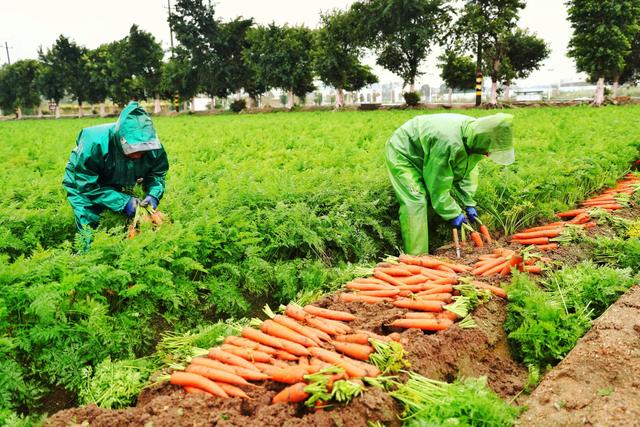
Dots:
(598, 383)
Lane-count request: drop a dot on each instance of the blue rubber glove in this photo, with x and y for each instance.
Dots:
(458, 221)
(472, 214)
(150, 200)
(130, 208)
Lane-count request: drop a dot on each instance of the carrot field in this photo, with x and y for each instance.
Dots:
(267, 209)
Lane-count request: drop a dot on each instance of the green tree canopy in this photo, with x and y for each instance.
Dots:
(457, 70)
(19, 85)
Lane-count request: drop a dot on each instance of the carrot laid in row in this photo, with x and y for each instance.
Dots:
(423, 324)
(477, 239)
(252, 345)
(217, 375)
(348, 297)
(247, 354)
(334, 358)
(485, 233)
(288, 375)
(271, 341)
(419, 304)
(188, 379)
(247, 374)
(314, 334)
(353, 350)
(446, 314)
(220, 355)
(354, 286)
(329, 314)
(285, 334)
(293, 394)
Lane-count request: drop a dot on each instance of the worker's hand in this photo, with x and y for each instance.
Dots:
(458, 221)
(150, 200)
(130, 208)
(472, 214)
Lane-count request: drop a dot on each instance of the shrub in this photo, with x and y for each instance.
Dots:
(411, 98)
(238, 105)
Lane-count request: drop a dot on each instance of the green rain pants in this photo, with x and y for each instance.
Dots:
(411, 192)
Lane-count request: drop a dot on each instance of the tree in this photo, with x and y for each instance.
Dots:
(401, 32)
(281, 57)
(144, 60)
(631, 73)
(336, 56)
(457, 71)
(51, 82)
(483, 27)
(603, 32)
(19, 86)
(525, 53)
(179, 77)
(100, 75)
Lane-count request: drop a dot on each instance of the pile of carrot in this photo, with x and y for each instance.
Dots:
(607, 200)
(501, 261)
(300, 342)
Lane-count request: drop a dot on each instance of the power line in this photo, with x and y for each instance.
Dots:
(6, 46)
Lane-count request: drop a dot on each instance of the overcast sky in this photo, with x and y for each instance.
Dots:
(27, 24)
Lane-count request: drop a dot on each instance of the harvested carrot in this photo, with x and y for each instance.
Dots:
(217, 375)
(389, 279)
(485, 233)
(580, 219)
(312, 334)
(188, 379)
(320, 324)
(371, 280)
(424, 324)
(195, 390)
(446, 297)
(571, 213)
(368, 286)
(289, 375)
(233, 391)
(497, 269)
(278, 330)
(438, 290)
(552, 232)
(246, 353)
(295, 312)
(329, 314)
(421, 305)
(480, 270)
(210, 363)
(548, 247)
(334, 358)
(354, 338)
(533, 241)
(293, 394)
(230, 359)
(252, 345)
(494, 289)
(341, 327)
(394, 271)
(553, 225)
(477, 239)
(356, 351)
(533, 269)
(347, 297)
(382, 293)
(413, 280)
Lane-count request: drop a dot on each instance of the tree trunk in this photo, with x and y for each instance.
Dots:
(185, 105)
(57, 111)
(157, 109)
(80, 112)
(507, 89)
(103, 113)
(616, 85)
(212, 106)
(18, 113)
(290, 99)
(39, 111)
(450, 96)
(339, 98)
(193, 104)
(599, 92)
(494, 92)
(412, 87)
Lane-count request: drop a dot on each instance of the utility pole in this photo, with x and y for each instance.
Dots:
(170, 29)
(6, 46)
(479, 71)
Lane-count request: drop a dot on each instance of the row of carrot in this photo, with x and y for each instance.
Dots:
(286, 348)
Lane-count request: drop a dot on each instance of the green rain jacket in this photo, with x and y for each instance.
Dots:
(99, 173)
(432, 160)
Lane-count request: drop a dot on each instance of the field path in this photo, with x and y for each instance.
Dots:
(598, 383)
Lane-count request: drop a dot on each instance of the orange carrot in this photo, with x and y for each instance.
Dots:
(217, 375)
(228, 358)
(371, 280)
(494, 289)
(293, 394)
(446, 297)
(195, 390)
(485, 233)
(389, 279)
(354, 338)
(551, 226)
(295, 312)
(554, 232)
(356, 351)
(496, 269)
(394, 271)
(477, 239)
(413, 280)
(382, 293)
(533, 269)
(424, 324)
(570, 214)
(580, 219)
(246, 353)
(548, 247)
(187, 379)
(293, 324)
(346, 297)
(289, 375)
(329, 314)
(278, 330)
(334, 358)
(272, 341)
(252, 345)
(285, 355)
(534, 241)
(233, 390)
(438, 290)
(421, 305)
(247, 374)
(480, 270)
(368, 286)
(341, 327)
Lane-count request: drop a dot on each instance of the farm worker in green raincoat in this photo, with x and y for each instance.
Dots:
(107, 163)
(432, 161)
